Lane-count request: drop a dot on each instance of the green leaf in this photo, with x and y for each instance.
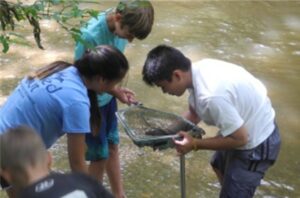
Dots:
(67, 13)
(5, 43)
(76, 12)
(93, 13)
(31, 10)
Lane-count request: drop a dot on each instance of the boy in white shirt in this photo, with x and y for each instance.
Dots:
(226, 96)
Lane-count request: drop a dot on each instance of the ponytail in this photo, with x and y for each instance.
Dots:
(95, 120)
(107, 62)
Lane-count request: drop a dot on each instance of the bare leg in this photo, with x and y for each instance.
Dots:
(219, 175)
(114, 171)
(96, 169)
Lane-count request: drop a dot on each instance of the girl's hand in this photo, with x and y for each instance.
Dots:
(184, 144)
(124, 95)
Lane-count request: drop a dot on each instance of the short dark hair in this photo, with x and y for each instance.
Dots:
(161, 62)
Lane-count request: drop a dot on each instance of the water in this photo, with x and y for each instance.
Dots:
(263, 36)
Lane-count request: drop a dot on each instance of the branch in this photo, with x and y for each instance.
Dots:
(61, 11)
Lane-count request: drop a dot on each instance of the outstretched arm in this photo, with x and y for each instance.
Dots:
(237, 139)
(124, 95)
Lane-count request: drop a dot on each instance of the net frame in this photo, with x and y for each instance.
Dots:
(158, 141)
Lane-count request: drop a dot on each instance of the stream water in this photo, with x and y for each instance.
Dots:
(262, 36)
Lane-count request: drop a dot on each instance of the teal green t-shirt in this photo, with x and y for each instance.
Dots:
(96, 32)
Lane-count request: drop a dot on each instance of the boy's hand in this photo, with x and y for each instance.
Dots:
(184, 143)
(124, 95)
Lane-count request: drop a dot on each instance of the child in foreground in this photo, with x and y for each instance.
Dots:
(27, 168)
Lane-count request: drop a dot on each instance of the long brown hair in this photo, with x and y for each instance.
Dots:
(47, 70)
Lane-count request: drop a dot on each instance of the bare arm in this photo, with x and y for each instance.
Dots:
(124, 95)
(76, 152)
(235, 140)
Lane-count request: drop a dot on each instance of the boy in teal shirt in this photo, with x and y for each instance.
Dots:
(130, 19)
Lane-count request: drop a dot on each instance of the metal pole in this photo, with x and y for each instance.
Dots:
(182, 176)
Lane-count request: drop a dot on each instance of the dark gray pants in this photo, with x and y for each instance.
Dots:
(243, 170)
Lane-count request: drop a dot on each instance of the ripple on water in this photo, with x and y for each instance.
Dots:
(275, 184)
(292, 22)
(262, 50)
(297, 53)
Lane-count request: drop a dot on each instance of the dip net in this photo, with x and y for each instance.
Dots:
(154, 128)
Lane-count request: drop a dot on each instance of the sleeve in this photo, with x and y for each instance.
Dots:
(76, 118)
(81, 44)
(224, 115)
(191, 99)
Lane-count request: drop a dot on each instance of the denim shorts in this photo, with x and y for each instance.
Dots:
(243, 170)
(98, 146)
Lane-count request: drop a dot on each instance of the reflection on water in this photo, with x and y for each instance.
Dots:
(264, 37)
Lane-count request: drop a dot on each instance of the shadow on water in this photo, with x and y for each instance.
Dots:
(262, 36)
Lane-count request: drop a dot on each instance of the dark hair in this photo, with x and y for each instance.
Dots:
(47, 70)
(138, 15)
(104, 60)
(110, 64)
(161, 62)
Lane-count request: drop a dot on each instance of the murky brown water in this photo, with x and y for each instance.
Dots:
(264, 37)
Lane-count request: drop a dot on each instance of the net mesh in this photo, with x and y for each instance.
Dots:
(150, 127)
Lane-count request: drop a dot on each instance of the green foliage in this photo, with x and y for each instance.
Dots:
(4, 42)
(62, 11)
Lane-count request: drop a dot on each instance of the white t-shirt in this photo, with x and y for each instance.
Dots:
(227, 96)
